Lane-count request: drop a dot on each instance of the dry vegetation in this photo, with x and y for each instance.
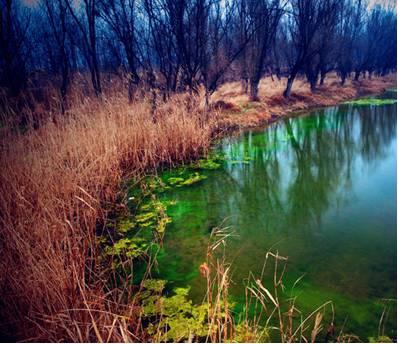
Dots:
(57, 183)
(243, 113)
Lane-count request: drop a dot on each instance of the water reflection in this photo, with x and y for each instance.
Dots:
(319, 188)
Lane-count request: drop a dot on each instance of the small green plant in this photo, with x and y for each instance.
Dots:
(380, 339)
(130, 247)
(173, 318)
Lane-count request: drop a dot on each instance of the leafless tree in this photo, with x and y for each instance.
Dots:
(14, 25)
(307, 17)
(56, 13)
(121, 16)
(85, 19)
(265, 15)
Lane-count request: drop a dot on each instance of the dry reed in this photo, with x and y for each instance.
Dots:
(55, 186)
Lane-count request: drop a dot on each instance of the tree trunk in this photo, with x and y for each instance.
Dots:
(312, 77)
(289, 85)
(357, 74)
(322, 79)
(343, 78)
(313, 85)
(245, 85)
(254, 90)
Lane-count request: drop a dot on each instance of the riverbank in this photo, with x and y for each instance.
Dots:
(237, 111)
(59, 182)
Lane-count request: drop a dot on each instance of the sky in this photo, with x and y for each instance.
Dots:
(386, 3)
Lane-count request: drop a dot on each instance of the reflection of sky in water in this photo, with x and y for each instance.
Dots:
(320, 189)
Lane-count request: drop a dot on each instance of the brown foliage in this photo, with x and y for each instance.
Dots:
(56, 182)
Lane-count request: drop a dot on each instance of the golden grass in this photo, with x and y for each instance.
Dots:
(57, 183)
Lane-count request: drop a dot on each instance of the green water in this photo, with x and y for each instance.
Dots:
(320, 189)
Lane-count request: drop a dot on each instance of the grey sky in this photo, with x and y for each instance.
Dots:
(386, 3)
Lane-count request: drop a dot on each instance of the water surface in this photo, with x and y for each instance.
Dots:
(320, 189)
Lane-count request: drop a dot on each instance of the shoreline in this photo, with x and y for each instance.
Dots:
(236, 114)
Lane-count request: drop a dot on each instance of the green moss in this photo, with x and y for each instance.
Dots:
(192, 179)
(371, 101)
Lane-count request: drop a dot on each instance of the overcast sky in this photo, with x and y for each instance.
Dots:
(387, 3)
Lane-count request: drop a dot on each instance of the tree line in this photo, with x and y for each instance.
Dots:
(187, 45)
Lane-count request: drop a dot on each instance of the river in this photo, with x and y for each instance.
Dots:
(318, 188)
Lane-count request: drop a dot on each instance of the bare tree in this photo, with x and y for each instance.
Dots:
(87, 27)
(307, 17)
(14, 25)
(121, 16)
(56, 13)
(265, 14)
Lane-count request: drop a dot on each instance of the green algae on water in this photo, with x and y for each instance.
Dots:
(145, 225)
(371, 101)
(178, 319)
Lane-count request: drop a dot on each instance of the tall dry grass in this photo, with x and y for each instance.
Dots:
(56, 183)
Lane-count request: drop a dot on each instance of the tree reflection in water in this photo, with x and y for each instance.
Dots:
(319, 188)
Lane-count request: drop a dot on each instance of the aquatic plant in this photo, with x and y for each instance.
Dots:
(371, 101)
(192, 179)
(380, 339)
(207, 164)
(246, 160)
(172, 318)
(131, 247)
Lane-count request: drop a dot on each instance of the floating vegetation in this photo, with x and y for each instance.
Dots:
(178, 319)
(148, 218)
(130, 247)
(125, 225)
(380, 339)
(175, 180)
(371, 101)
(246, 160)
(208, 164)
(137, 233)
(192, 179)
